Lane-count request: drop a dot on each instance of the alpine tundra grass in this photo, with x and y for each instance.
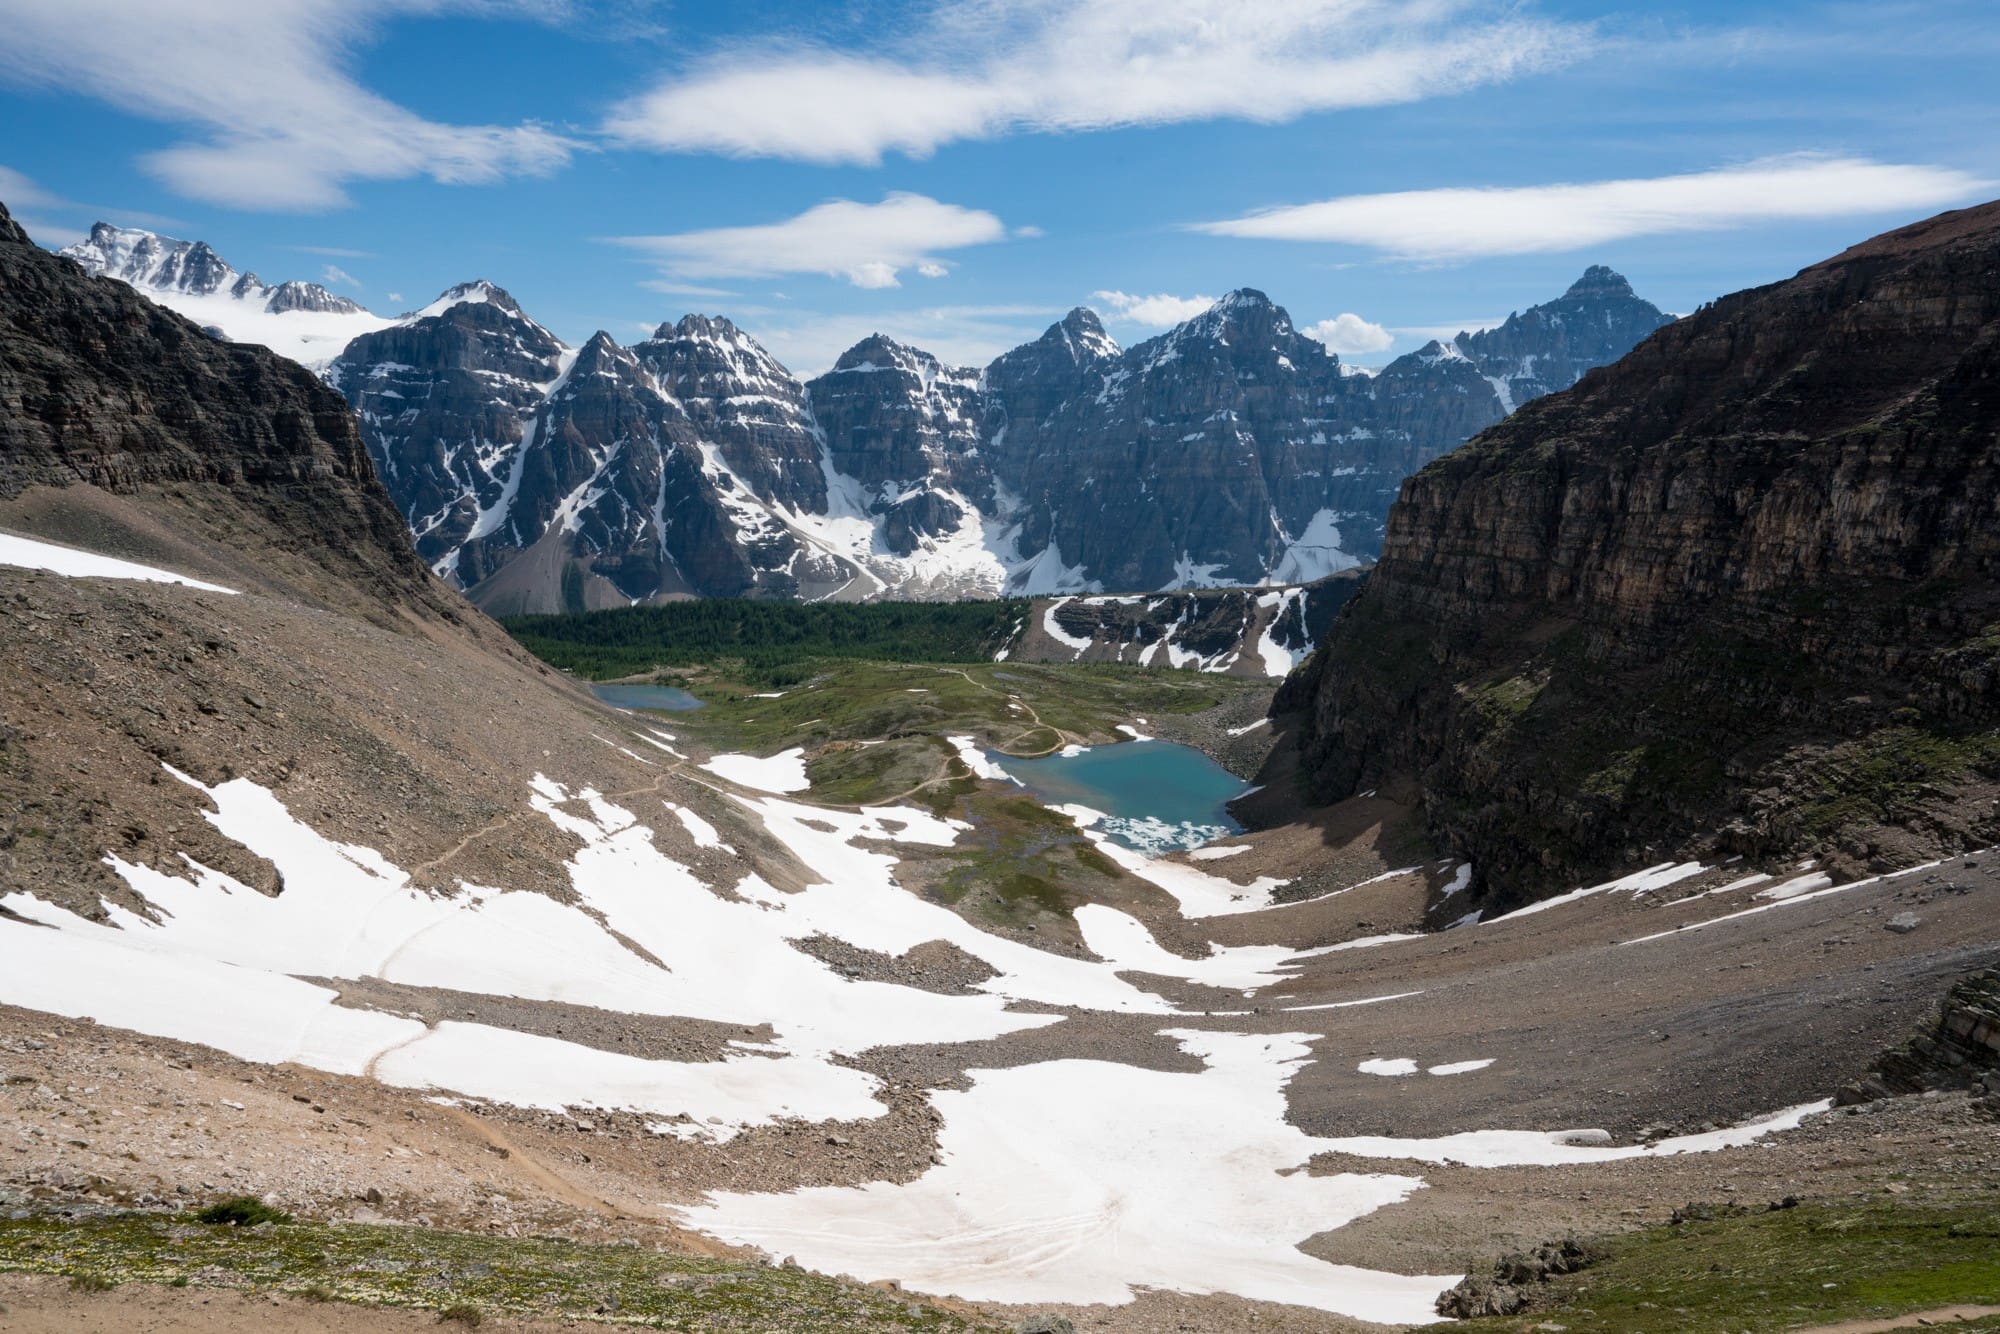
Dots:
(462, 1276)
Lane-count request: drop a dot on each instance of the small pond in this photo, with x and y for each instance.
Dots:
(671, 698)
(1157, 796)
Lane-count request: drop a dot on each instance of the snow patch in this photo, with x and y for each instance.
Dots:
(781, 773)
(29, 554)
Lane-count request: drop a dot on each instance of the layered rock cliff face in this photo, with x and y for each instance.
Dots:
(1737, 594)
(104, 395)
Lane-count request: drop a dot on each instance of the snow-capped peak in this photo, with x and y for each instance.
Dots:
(477, 292)
(300, 320)
(1083, 331)
(148, 260)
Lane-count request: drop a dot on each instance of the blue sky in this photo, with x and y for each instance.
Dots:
(957, 173)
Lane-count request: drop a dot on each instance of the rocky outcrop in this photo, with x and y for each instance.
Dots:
(1960, 1048)
(1734, 595)
(1516, 1280)
(102, 389)
(1237, 632)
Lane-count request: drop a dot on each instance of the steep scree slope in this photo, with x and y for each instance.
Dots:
(1735, 594)
(341, 674)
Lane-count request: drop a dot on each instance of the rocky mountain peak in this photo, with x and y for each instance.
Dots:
(715, 328)
(1084, 331)
(297, 295)
(475, 293)
(1600, 282)
(145, 259)
(190, 278)
(1231, 449)
(878, 352)
(748, 407)
(596, 351)
(1244, 318)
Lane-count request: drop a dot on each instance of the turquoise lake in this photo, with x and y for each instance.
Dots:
(1157, 796)
(671, 698)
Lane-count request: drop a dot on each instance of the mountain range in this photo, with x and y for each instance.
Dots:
(1232, 450)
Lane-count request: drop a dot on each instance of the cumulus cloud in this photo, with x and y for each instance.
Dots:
(1157, 311)
(869, 245)
(333, 275)
(1453, 224)
(977, 69)
(1349, 334)
(284, 125)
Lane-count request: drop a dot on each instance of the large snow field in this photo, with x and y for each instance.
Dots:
(1079, 1181)
(1062, 1180)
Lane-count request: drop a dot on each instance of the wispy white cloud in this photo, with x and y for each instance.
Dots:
(869, 245)
(23, 197)
(1349, 334)
(1155, 312)
(1454, 224)
(395, 298)
(333, 275)
(669, 288)
(976, 69)
(285, 125)
(330, 251)
(19, 191)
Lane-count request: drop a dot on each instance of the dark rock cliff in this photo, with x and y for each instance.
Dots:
(100, 387)
(1737, 594)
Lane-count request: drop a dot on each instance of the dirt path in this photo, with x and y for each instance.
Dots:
(526, 1165)
(1062, 738)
